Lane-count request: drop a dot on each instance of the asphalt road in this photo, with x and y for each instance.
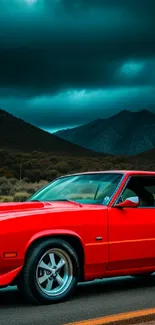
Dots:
(95, 299)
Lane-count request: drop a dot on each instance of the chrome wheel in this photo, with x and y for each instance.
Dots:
(51, 272)
(54, 272)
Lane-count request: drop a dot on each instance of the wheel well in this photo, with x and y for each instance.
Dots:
(73, 241)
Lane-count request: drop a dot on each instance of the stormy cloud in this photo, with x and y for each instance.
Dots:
(63, 59)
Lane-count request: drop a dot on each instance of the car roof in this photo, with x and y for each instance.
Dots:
(125, 172)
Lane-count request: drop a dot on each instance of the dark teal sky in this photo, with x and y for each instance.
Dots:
(66, 62)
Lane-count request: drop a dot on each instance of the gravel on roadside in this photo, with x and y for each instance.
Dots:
(145, 322)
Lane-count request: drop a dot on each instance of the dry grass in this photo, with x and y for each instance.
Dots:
(13, 190)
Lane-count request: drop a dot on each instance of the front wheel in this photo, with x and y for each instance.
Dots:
(51, 272)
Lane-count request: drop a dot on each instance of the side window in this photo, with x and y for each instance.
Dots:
(143, 187)
(151, 189)
(127, 193)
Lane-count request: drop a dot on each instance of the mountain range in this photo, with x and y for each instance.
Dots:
(126, 133)
(15, 134)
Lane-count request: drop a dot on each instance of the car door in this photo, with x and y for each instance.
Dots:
(132, 232)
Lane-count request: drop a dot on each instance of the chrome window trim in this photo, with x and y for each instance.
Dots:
(121, 180)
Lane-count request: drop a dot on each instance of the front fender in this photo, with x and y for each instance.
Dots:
(53, 232)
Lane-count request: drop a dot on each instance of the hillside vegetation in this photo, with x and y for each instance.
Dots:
(22, 174)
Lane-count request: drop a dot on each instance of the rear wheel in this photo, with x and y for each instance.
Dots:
(51, 272)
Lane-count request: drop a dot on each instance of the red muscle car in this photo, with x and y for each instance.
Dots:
(79, 227)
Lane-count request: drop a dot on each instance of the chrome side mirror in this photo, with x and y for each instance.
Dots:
(131, 202)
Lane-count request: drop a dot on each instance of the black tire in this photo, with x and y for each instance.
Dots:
(28, 283)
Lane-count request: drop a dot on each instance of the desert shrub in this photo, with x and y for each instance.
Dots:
(6, 199)
(26, 179)
(8, 174)
(35, 153)
(51, 174)
(33, 187)
(8, 160)
(3, 152)
(16, 169)
(25, 155)
(33, 175)
(35, 163)
(127, 166)
(30, 189)
(19, 186)
(27, 164)
(3, 180)
(5, 188)
(21, 197)
(74, 164)
(62, 167)
(107, 166)
(2, 172)
(54, 159)
(45, 162)
(13, 181)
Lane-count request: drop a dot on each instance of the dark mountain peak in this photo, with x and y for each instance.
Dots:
(126, 133)
(88, 125)
(128, 116)
(125, 112)
(19, 135)
(122, 114)
(94, 122)
(9, 117)
(2, 112)
(145, 112)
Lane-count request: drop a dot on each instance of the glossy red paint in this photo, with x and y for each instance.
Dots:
(126, 245)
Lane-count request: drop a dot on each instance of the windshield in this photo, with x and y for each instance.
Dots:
(86, 188)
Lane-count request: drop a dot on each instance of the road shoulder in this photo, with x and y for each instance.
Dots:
(134, 317)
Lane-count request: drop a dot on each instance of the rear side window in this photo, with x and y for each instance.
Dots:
(143, 187)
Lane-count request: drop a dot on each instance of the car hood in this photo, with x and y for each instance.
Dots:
(27, 208)
(19, 206)
(6, 208)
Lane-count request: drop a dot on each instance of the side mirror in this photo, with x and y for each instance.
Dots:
(131, 202)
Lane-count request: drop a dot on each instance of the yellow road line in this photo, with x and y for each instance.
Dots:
(115, 318)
